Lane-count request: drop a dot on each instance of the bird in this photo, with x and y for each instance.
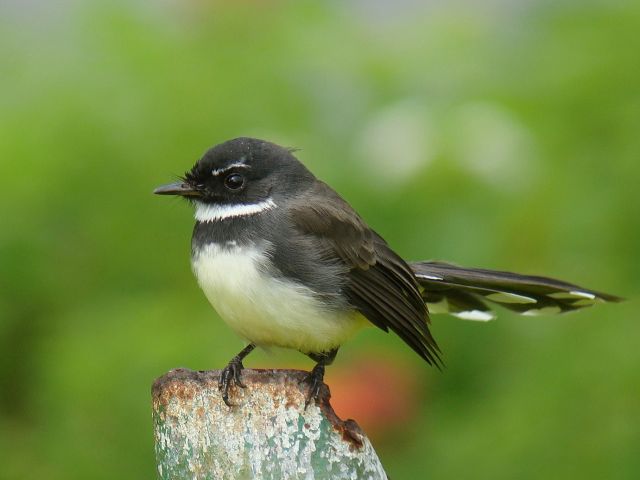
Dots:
(287, 262)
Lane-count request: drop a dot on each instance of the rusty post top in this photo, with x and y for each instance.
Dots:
(184, 384)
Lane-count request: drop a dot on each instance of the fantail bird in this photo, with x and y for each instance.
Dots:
(287, 262)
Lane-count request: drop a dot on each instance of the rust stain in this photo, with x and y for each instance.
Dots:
(348, 429)
(180, 383)
(183, 385)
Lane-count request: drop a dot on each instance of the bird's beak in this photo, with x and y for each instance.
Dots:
(178, 188)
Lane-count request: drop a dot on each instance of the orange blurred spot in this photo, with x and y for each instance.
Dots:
(380, 394)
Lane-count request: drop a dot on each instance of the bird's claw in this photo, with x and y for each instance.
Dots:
(315, 380)
(229, 376)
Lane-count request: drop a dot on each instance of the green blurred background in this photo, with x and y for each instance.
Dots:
(501, 134)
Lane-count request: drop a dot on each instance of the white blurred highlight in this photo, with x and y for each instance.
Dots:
(493, 145)
(396, 143)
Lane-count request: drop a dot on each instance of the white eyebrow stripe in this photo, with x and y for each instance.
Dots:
(213, 213)
(218, 171)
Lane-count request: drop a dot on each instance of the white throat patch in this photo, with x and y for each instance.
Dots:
(212, 213)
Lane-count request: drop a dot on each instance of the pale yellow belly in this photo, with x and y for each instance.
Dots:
(268, 311)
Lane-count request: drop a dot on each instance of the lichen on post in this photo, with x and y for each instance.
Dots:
(267, 435)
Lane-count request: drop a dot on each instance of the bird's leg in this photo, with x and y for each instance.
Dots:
(315, 378)
(231, 373)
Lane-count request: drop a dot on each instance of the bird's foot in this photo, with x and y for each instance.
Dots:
(315, 380)
(229, 376)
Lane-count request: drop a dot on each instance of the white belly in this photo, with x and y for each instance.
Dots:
(264, 310)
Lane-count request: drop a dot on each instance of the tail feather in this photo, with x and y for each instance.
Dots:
(464, 292)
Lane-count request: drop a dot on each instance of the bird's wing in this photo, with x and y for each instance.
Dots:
(380, 284)
(463, 292)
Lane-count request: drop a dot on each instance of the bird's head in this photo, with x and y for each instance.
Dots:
(240, 173)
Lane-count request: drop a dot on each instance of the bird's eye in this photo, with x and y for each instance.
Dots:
(235, 181)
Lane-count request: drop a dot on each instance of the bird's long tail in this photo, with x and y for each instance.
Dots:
(469, 292)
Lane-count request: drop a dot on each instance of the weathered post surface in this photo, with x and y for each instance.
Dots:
(267, 435)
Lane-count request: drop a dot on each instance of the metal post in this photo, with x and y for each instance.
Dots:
(267, 436)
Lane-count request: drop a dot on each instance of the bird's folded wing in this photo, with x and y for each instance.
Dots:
(463, 292)
(380, 284)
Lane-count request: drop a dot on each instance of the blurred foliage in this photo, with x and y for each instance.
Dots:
(501, 134)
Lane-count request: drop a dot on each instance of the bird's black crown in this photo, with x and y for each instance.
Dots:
(246, 170)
